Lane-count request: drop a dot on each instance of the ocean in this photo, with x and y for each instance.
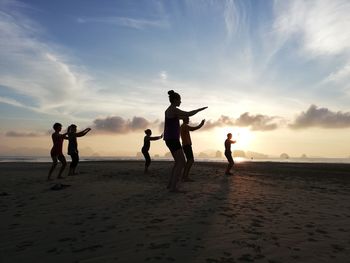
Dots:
(44, 159)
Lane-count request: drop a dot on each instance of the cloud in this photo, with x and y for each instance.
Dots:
(37, 70)
(126, 22)
(116, 124)
(222, 121)
(163, 75)
(321, 24)
(257, 122)
(22, 134)
(322, 118)
(231, 16)
(11, 102)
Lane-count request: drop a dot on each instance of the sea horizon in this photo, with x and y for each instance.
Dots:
(47, 159)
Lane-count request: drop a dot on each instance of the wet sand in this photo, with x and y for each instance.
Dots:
(112, 212)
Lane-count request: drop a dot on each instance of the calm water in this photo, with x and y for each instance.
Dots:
(42, 159)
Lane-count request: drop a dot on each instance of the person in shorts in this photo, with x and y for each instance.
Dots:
(146, 146)
(228, 154)
(56, 150)
(172, 137)
(187, 146)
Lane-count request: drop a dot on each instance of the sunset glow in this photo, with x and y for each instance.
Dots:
(273, 73)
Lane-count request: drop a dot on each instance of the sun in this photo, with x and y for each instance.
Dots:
(242, 136)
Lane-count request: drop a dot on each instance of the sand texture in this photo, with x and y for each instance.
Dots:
(112, 212)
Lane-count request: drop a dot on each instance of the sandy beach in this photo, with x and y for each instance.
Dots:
(112, 212)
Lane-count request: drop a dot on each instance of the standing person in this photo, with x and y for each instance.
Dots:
(146, 145)
(187, 146)
(172, 136)
(228, 153)
(73, 146)
(56, 151)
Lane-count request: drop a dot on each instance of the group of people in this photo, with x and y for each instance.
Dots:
(171, 135)
(57, 153)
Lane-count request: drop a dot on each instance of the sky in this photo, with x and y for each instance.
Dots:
(276, 74)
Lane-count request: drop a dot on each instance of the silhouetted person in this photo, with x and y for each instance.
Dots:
(187, 146)
(146, 145)
(73, 146)
(172, 136)
(228, 153)
(56, 151)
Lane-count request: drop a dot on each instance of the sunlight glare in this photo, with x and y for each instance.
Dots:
(243, 136)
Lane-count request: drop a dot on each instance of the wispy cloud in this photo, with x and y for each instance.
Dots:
(321, 24)
(11, 102)
(231, 17)
(126, 22)
(314, 30)
(35, 68)
(321, 118)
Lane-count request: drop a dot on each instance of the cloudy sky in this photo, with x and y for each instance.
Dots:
(274, 73)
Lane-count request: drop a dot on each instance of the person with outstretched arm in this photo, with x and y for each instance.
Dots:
(228, 153)
(73, 146)
(187, 146)
(146, 146)
(172, 137)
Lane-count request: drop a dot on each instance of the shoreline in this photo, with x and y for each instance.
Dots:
(47, 159)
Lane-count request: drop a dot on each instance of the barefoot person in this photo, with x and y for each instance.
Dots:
(73, 146)
(146, 146)
(172, 136)
(187, 146)
(56, 151)
(228, 153)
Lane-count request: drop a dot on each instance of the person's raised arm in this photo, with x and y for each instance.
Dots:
(65, 135)
(183, 114)
(154, 138)
(82, 133)
(232, 142)
(197, 127)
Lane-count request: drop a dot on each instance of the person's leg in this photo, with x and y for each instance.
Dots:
(188, 166)
(54, 164)
(230, 163)
(148, 161)
(64, 163)
(73, 164)
(190, 160)
(177, 170)
(171, 176)
(76, 163)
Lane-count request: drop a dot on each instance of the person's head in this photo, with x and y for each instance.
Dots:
(57, 127)
(174, 98)
(229, 136)
(72, 128)
(186, 120)
(148, 132)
